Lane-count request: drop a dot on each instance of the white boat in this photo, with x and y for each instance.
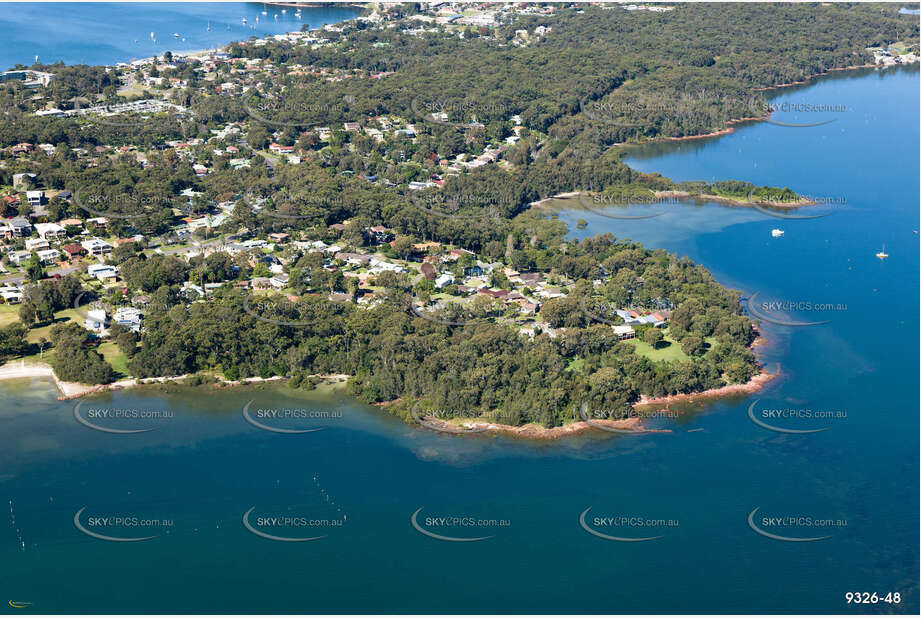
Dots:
(775, 233)
(882, 253)
(243, 20)
(176, 34)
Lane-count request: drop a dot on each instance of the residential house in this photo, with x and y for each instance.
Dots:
(36, 244)
(355, 259)
(443, 280)
(96, 246)
(50, 231)
(18, 228)
(48, 256)
(11, 295)
(380, 234)
(102, 271)
(74, 251)
(623, 331)
(35, 198)
(24, 181)
(18, 257)
(129, 317)
(96, 320)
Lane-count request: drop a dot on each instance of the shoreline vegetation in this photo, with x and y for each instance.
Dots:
(18, 370)
(73, 390)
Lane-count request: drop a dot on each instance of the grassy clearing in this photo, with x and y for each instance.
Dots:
(115, 357)
(8, 314)
(60, 317)
(667, 350)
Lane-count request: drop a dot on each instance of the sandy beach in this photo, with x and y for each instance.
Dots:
(19, 369)
(684, 195)
(560, 196)
(533, 431)
(72, 390)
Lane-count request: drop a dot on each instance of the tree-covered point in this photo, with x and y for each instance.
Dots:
(487, 366)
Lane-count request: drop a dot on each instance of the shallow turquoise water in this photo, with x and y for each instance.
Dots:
(204, 468)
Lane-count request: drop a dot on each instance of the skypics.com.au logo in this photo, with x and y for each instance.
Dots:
(626, 528)
(472, 526)
(121, 528)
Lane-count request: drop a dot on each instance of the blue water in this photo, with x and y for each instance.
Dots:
(107, 32)
(204, 468)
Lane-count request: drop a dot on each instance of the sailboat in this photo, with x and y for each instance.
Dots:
(209, 27)
(882, 254)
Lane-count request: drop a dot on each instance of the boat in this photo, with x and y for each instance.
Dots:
(882, 253)
(209, 27)
(243, 20)
(775, 233)
(176, 34)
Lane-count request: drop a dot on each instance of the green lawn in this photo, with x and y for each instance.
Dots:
(667, 350)
(60, 317)
(8, 314)
(115, 357)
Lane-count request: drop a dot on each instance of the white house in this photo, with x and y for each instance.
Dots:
(18, 257)
(443, 280)
(96, 246)
(279, 281)
(623, 331)
(11, 296)
(35, 198)
(129, 317)
(50, 231)
(96, 320)
(36, 244)
(102, 271)
(48, 256)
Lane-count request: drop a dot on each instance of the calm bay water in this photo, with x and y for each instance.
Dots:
(202, 469)
(71, 32)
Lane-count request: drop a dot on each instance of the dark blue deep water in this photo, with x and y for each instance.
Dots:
(201, 470)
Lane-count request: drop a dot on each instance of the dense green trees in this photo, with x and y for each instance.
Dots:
(73, 361)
